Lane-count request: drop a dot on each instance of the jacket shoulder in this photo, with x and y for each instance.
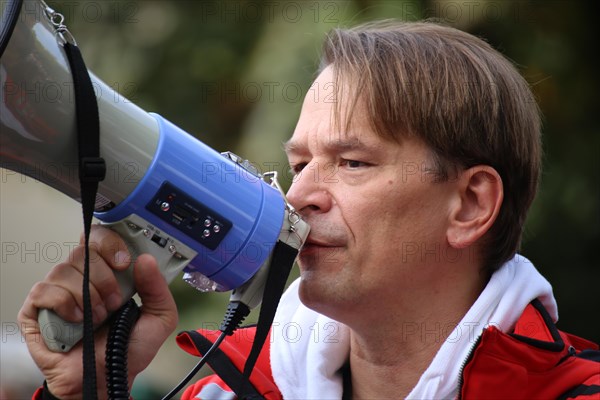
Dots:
(228, 363)
(539, 360)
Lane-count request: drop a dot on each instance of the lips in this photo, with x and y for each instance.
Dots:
(315, 244)
(321, 242)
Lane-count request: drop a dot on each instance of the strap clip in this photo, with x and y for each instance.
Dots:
(92, 169)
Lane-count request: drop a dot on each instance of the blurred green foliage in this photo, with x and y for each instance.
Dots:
(234, 73)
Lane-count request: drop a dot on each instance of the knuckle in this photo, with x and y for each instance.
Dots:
(37, 288)
(63, 297)
(62, 272)
(76, 254)
(45, 295)
(21, 316)
(57, 272)
(108, 243)
(106, 284)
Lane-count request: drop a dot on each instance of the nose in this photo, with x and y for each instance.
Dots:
(309, 193)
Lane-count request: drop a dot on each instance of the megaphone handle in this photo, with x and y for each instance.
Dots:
(60, 335)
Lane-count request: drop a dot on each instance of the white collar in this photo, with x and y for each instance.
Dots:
(308, 349)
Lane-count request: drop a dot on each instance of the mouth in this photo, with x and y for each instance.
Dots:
(314, 245)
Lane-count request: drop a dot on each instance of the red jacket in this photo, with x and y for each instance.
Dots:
(535, 361)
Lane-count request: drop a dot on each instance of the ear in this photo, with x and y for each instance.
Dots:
(480, 195)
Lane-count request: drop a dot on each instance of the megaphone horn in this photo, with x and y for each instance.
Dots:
(38, 112)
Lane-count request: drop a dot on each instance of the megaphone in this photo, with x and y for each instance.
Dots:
(165, 192)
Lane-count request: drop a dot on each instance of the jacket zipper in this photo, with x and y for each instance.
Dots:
(464, 364)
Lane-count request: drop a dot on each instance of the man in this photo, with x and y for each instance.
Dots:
(415, 164)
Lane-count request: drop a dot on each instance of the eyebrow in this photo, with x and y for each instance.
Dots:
(292, 147)
(352, 143)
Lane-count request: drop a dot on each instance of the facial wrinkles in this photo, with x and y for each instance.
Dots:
(312, 150)
(317, 144)
(325, 226)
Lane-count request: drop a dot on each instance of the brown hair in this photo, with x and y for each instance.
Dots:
(452, 90)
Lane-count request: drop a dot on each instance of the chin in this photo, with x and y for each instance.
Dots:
(314, 288)
(327, 295)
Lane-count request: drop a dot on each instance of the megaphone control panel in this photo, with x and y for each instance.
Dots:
(189, 216)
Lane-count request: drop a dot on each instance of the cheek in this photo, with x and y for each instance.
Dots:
(376, 221)
(391, 212)
(404, 216)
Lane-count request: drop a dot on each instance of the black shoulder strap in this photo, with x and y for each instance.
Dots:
(281, 265)
(225, 369)
(92, 170)
(282, 261)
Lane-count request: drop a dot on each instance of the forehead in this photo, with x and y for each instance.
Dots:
(317, 131)
(324, 118)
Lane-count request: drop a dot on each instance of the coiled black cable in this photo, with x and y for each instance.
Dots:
(117, 382)
(117, 344)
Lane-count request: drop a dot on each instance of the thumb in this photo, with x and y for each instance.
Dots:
(158, 318)
(151, 286)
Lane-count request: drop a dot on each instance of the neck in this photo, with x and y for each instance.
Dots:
(387, 357)
(390, 379)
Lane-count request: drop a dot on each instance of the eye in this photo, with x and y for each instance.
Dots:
(295, 169)
(354, 164)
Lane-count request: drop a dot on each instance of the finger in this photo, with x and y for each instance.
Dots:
(159, 313)
(44, 295)
(110, 246)
(152, 288)
(102, 277)
(31, 331)
(69, 278)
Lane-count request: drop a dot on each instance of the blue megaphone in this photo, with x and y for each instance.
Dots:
(208, 214)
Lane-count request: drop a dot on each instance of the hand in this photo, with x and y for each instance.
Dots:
(61, 292)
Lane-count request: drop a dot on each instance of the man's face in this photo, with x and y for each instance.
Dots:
(378, 220)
